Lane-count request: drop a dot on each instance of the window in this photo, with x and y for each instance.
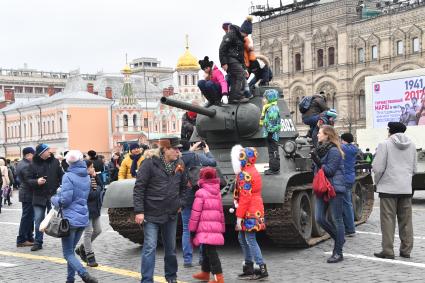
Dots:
(298, 62)
(44, 127)
(186, 80)
(374, 52)
(362, 105)
(60, 125)
(277, 65)
(145, 122)
(30, 129)
(400, 47)
(331, 56)
(25, 130)
(194, 80)
(360, 55)
(320, 58)
(28, 89)
(125, 120)
(174, 125)
(180, 80)
(135, 120)
(164, 125)
(53, 127)
(297, 115)
(415, 45)
(48, 127)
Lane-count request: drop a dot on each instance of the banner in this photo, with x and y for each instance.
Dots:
(399, 100)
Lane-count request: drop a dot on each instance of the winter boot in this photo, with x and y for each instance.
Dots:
(261, 273)
(218, 278)
(203, 276)
(87, 278)
(247, 270)
(81, 252)
(91, 260)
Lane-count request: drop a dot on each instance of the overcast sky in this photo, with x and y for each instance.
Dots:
(95, 35)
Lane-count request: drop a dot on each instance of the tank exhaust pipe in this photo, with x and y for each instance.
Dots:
(188, 107)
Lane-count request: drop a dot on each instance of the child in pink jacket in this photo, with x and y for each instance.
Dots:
(214, 86)
(206, 224)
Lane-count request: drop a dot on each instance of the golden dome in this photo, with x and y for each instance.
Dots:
(126, 69)
(187, 61)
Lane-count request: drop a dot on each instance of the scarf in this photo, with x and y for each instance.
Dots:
(133, 168)
(323, 148)
(93, 182)
(170, 167)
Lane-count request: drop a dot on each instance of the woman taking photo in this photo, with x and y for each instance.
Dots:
(72, 199)
(329, 156)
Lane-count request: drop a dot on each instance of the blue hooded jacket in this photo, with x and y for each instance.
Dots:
(350, 151)
(73, 195)
(333, 166)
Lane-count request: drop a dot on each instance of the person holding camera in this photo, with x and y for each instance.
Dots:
(196, 155)
(47, 176)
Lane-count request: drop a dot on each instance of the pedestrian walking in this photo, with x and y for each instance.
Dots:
(158, 196)
(7, 191)
(25, 174)
(207, 224)
(328, 155)
(72, 199)
(393, 166)
(350, 153)
(114, 166)
(249, 211)
(93, 230)
(131, 163)
(45, 181)
(196, 155)
(5, 181)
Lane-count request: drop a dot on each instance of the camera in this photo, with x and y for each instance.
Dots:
(202, 144)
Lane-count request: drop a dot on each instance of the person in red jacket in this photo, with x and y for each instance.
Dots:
(249, 210)
(206, 224)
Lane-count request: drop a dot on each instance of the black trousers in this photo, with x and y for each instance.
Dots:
(273, 148)
(237, 80)
(210, 261)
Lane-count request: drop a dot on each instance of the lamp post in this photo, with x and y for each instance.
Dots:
(146, 98)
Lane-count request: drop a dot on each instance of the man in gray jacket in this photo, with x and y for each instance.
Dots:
(394, 166)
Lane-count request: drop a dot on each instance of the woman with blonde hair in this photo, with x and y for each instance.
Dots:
(329, 156)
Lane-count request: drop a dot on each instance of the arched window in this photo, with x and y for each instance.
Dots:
(277, 66)
(48, 127)
(298, 62)
(164, 125)
(362, 105)
(415, 45)
(125, 120)
(331, 56)
(360, 55)
(60, 125)
(320, 58)
(135, 120)
(374, 52)
(400, 47)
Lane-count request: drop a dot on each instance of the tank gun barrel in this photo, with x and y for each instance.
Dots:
(188, 107)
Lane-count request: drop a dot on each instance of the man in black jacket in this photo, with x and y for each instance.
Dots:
(46, 179)
(158, 195)
(26, 227)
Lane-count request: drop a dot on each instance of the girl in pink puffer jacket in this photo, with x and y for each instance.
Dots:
(206, 224)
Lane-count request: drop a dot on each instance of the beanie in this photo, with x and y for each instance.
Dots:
(246, 26)
(347, 137)
(28, 150)
(396, 127)
(73, 156)
(133, 146)
(41, 148)
(208, 173)
(91, 153)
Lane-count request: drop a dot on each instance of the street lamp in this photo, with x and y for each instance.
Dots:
(146, 98)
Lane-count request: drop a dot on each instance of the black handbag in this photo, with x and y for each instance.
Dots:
(58, 226)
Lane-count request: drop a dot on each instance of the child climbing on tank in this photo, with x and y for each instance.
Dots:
(270, 121)
(249, 211)
(213, 86)
(207, 224)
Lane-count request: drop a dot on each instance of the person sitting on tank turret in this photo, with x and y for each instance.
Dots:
(231, 55)
(188, 125)
(325, 118)
(316, 106)
(213, 86)
(270, 121)
(260, 68)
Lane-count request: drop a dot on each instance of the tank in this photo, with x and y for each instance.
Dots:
(288, 199)
(418, 180)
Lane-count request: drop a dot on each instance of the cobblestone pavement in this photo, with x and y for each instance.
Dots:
(120, 259)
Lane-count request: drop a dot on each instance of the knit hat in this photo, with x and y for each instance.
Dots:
(28, 150)
(396, 127)
(271, 95)
(207, 173)
(41, 148)
(246, 26)
(205, 63)
(192, 115)
(347, 137)
(134, 146)
(73, 156)
(226, 25)
(92, 153)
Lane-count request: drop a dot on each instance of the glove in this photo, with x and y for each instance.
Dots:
(316, 159)
(225, 99)
(238, 224)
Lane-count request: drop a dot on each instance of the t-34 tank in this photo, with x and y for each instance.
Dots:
(288, 198)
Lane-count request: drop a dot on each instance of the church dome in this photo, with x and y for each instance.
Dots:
(126, 69)
(187, 61)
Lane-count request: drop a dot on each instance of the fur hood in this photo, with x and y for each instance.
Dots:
(149, 153)
(264, 59)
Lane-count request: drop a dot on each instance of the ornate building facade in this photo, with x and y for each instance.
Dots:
(330, 47)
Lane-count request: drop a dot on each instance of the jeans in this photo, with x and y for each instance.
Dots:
(335, 228)
(265, 78)
(250, 248)
(168, 233)
(90, 234)
(39, 214)
(210, 90)
(210, 260)
(26, 227)
(68, 246)
(186, 244)
(348, 212)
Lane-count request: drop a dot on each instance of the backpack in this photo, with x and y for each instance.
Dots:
(305, 104)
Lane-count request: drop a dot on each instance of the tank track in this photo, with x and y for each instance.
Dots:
(368, 205)
(122, 221)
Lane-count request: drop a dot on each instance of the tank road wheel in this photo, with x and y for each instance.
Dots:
(316, 231)
(358, 197)
(122, 221)
(302, 214)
